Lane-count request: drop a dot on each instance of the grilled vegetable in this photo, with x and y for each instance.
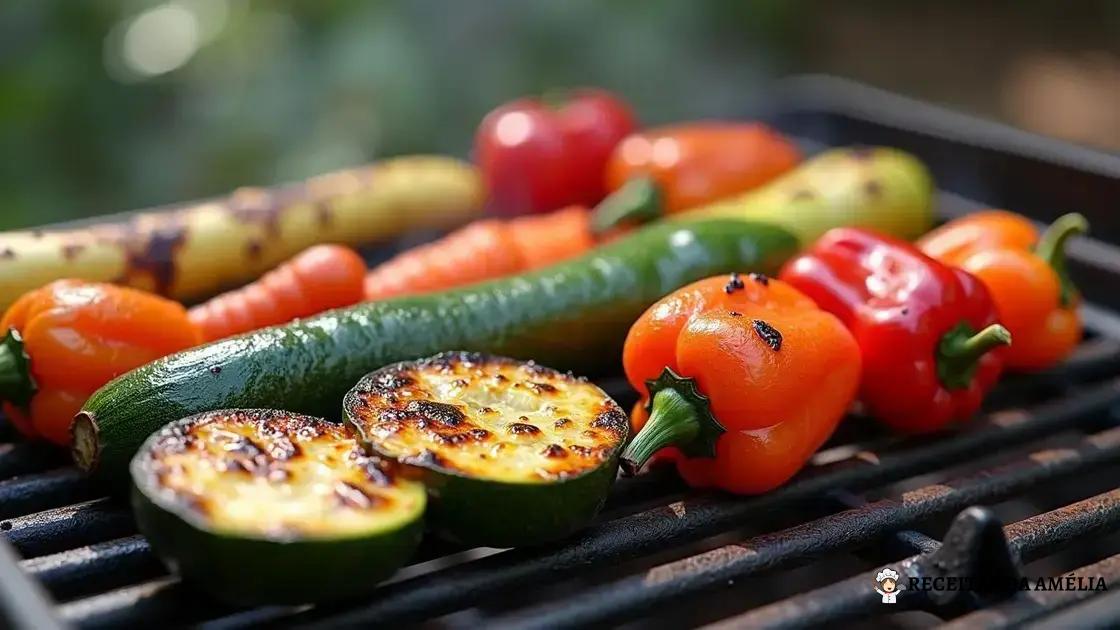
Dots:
(198, 250)
(269, 507)
(483, 250)
(928, 333)
(318, 279)
(513, 453)
(671, 169)
(1026, 275)
(879, 188)
(745, 375)
(571, 315)
(70, 337)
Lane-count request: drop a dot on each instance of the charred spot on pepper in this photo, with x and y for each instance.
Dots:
(862, 152)
(734, 283)
(562, 422)
(7, 254)
(768, 334)
(873, 188)
(262, 207)
(734, 313)
(760, 278)
(803, 194)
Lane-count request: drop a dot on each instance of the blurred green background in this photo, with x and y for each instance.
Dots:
(120, 104)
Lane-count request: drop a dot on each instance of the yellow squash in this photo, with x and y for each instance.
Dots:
(196, 250)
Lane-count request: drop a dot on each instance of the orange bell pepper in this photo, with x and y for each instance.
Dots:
(745, 376)
(1026, 276)
(70, 337)
(676, 168)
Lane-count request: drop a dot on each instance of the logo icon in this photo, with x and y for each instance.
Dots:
(886, 584)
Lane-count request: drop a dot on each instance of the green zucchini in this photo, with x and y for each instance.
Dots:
(269, 507)
(572, 316)
(512, 453)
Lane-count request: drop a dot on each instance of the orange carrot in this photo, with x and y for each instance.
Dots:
(317, 279)
(485, 249)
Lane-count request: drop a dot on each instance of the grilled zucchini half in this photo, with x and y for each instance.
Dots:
(270, 507)
(512, 453)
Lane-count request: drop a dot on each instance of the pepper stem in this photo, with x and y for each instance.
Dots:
(16, 384)
(960, 351)
(679, 416)
(637, 200)
(1052, 248)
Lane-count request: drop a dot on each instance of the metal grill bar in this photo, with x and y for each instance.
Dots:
(1102, 612)
(68, 527)
(668, 583)
(84, 570)
(24, 495)
(695, 519)
(853, 598)
(28, 457)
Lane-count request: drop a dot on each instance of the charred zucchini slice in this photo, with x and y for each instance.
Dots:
(261, 506)
(512, 453)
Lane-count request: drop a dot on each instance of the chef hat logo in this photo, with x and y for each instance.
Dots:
(886, 574)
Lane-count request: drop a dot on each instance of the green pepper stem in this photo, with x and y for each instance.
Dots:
(960, 350)
(16, 384)
(672, 421)
(679, 416)
(637, 200)
(1052, 248)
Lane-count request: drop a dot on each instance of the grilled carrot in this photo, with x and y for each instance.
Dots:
(483, 250)
(318, 279)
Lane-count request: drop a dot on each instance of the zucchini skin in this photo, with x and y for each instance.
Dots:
(571, 316)
(251, 572)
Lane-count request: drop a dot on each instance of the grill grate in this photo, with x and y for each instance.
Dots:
(1041, 457)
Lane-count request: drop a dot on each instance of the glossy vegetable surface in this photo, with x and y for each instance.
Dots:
(688, 165)
(573, 315)
(872, 187)
(483, 250)
(1026, 276)
(538, 155)
(65, 340)
(200, 249)
(929, 335)
(513, 453)
(269, 507)
(747, 378)
(318, 279)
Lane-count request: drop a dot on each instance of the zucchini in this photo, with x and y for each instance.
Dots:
(573, 316)
(269, 507)
(512, 453)
(199, 249)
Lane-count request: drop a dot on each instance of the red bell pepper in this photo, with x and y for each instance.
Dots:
(927, 332)
(537, 156)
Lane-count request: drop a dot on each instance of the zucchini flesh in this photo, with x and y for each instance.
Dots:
(487, 417)
(513, 453)
(245, 503)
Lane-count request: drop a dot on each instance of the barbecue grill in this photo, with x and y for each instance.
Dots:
(1028, 490)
